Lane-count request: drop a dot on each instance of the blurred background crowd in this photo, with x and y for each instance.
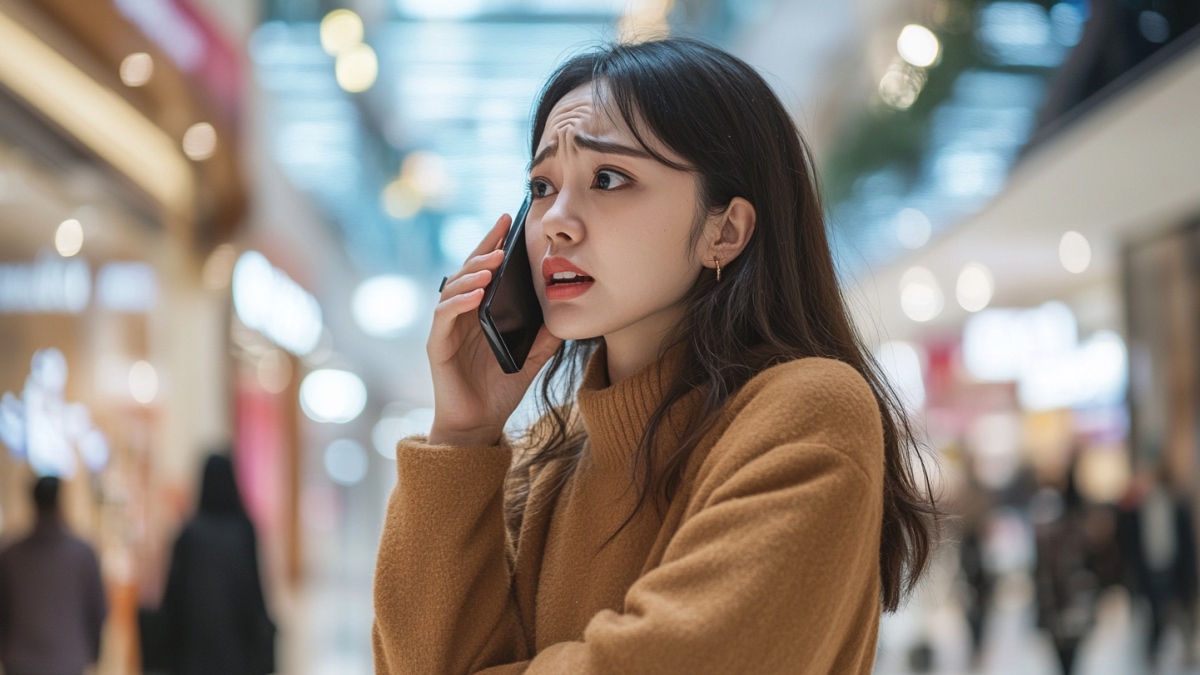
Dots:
(223, 222)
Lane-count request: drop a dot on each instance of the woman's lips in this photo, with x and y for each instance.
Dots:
(567, 291)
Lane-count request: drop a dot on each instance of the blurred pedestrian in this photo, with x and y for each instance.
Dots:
(52, 604)
(1066, 584)
(213, 615)
(973, 502)
(1156, 532)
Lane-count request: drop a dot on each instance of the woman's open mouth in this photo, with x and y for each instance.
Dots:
(567, 285)
(564, 281)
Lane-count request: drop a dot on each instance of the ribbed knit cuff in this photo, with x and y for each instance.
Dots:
(441, 471)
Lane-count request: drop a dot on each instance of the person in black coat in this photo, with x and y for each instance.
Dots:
(213, 616)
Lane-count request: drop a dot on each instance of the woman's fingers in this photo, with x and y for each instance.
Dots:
(465, 283)
(444, 317)
(494, 238)
(486, 262)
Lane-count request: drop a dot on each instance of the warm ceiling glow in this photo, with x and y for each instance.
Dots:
(357, 68)
(340, 29)
(137, 69)
(200, 141)
(102, 121)
(68, 239)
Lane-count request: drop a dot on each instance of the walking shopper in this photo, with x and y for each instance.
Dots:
(721, 480)
(52, 603)
(214, 616)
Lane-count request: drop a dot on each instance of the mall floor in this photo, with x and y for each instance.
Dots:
(331, 623)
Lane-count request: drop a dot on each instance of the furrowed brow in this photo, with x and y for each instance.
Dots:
(593, 144)
(546, 153)
(610, 148)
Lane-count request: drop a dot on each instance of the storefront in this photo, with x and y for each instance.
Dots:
(118, 175)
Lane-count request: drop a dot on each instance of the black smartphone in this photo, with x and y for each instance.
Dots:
(510, 313)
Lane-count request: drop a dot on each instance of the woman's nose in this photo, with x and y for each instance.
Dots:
(561, 224)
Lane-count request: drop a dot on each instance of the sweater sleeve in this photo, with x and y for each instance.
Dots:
(776, 571)
(442, 578)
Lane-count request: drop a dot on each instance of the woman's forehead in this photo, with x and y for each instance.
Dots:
(590, 110)
(585, 108)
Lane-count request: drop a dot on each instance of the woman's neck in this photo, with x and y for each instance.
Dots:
(636, 346)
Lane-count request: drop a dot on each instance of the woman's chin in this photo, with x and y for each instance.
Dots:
(570, 330)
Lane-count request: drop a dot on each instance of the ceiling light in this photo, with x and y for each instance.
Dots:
(200, 141)
(340, 29)
(1074, 252)
(918, 45)
(356, 68)
(137, 69)
(334, 396)
(975, 287)
(68, 239)
(143, 382)
(384, 306)
(921, 298)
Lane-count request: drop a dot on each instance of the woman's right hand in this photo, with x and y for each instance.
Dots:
(473, 397)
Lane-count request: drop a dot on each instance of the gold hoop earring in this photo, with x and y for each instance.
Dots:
(718, 262)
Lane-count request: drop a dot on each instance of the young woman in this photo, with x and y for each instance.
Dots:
(729, 490)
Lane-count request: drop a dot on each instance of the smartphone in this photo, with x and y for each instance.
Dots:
(511, 314)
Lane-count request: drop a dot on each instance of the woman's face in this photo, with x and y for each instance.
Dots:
(604, 208)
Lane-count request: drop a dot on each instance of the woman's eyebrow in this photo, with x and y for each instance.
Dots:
(593, 144)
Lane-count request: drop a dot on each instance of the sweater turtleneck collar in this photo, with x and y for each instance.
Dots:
(616, 415)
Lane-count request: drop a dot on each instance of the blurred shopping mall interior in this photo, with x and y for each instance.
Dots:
(223, 222)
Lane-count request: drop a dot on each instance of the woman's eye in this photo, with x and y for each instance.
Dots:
(540, 188)
(607, 179)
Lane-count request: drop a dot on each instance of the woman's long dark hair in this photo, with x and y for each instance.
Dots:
(778, 301)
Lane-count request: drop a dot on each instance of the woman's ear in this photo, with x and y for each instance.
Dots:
(729, 232)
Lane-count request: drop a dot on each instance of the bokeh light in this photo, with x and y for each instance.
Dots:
(901, 363)
(913, 228)
(68, 238)
(200, 141)
(921, 298)
(975, 287)
(137, 69)
(332, 396)
(340, 29)
(143, 382)
(918, 45)
(1074, 252)
(346, 462)
(356, 68)
(386, 305)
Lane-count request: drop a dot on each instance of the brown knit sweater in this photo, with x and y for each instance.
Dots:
(766, 561)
